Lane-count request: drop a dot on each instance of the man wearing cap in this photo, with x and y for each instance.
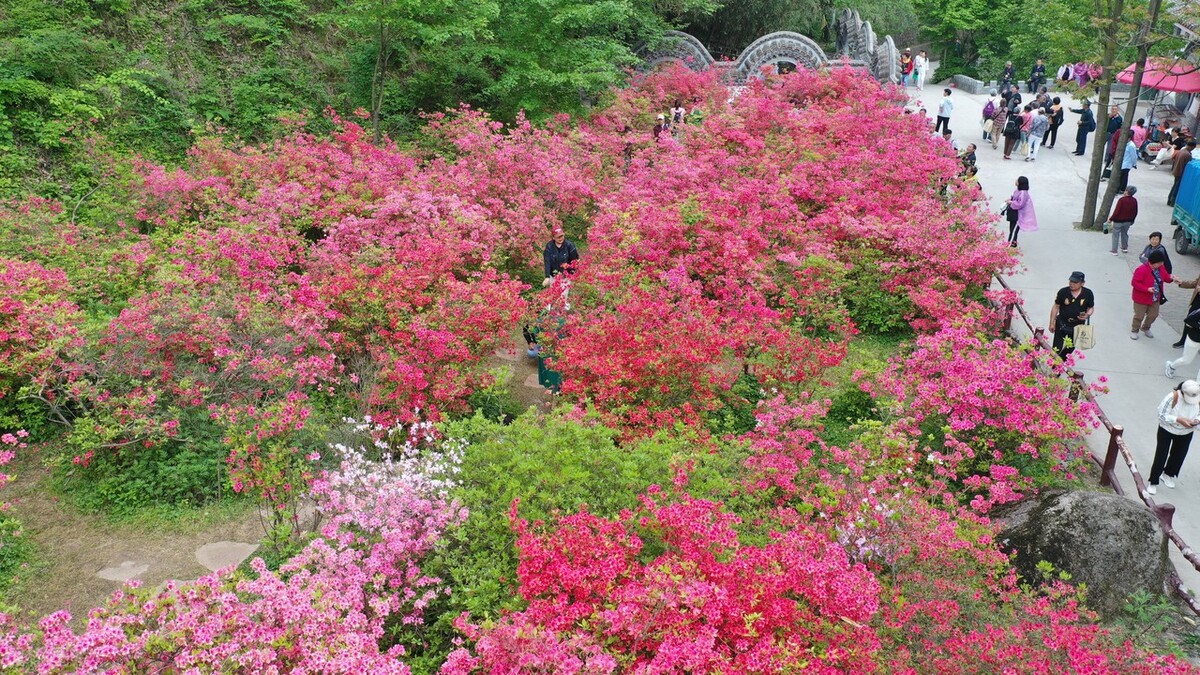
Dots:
(558, 255)
(1087, 124)
(1073, 305)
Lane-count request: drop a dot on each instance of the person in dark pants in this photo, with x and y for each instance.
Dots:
(1178, 164)
(1129, 161)
(1178, 416)
(1073, 306)
(945, 107)
(558, 255)
(1056, 121)
(1087, 124)
(1037, 76)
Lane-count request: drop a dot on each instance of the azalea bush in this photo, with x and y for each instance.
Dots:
(713, 491)
(325, 610)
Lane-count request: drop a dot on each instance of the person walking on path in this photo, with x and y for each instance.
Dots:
(1012, 132)
(1155, 244)
(1147, 282)
(1178, 415)
(1037, 131)
(1073, 306)
(1056, 121)
(1128, 163)
(1087, 124)
(989, 111)
(1123, 214)
(945, 107)
(1179, 163)
(1191, 333)
(999, 117)
(906, 67)
(920, 69)
(1193, 305)
(1115, 122)
(1019, 210)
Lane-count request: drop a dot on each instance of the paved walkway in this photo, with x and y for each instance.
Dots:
(1134, 368)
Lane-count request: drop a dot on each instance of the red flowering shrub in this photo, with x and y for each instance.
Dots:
(700, 601)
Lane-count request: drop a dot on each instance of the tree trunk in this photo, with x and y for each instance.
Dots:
(378, 80)
(1109, 32)
(1135, 90)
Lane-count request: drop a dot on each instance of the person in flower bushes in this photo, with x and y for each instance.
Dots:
(558, 255)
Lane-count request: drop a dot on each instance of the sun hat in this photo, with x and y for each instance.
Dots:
(1190, 389)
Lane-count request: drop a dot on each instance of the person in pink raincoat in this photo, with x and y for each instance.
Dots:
(1019, 210)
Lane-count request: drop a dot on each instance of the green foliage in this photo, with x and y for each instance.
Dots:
(496, 403)
(736, 414)
(549, 466)
(16, 552)
(874, 309)
(189, 469)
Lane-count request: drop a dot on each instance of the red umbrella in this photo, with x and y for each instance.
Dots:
(1166, 75)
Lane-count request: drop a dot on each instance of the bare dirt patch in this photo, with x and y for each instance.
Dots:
(73, 546)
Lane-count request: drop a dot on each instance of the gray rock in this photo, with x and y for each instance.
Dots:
(221, 554)
(1111, 544)
(125, 571)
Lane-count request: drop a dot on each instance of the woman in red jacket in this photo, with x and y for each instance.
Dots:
(1123, 214)
(1148, 280)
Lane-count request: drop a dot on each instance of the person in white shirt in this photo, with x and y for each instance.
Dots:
(945, 107)
(920, 63)
(1178, 416)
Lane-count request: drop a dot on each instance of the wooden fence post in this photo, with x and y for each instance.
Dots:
(1110, 457)
(1165, 513)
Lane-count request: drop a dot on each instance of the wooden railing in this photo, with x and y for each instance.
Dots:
(1117, 447)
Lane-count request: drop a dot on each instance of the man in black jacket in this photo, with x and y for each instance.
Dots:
(1087, 124)
(558, 255)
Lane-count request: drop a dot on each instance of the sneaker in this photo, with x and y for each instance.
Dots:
(1148, 333)
(1166, 480)
(1151, 489)
(1134, 335)
(1113, 252)
(1169, 369)
(1178, 345)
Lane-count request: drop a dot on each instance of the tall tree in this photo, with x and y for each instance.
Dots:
(403, 31)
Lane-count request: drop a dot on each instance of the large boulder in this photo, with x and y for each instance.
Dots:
(1113, 545)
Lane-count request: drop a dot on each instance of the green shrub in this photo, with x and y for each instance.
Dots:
(189, 469)
(874, 309)
(16, 551)
(552, 466)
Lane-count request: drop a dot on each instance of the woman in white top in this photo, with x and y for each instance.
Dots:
(1178, 415)
(920, 63)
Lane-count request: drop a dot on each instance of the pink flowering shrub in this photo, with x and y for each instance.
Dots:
(995, 417)
(38, 326)
(324, 611)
